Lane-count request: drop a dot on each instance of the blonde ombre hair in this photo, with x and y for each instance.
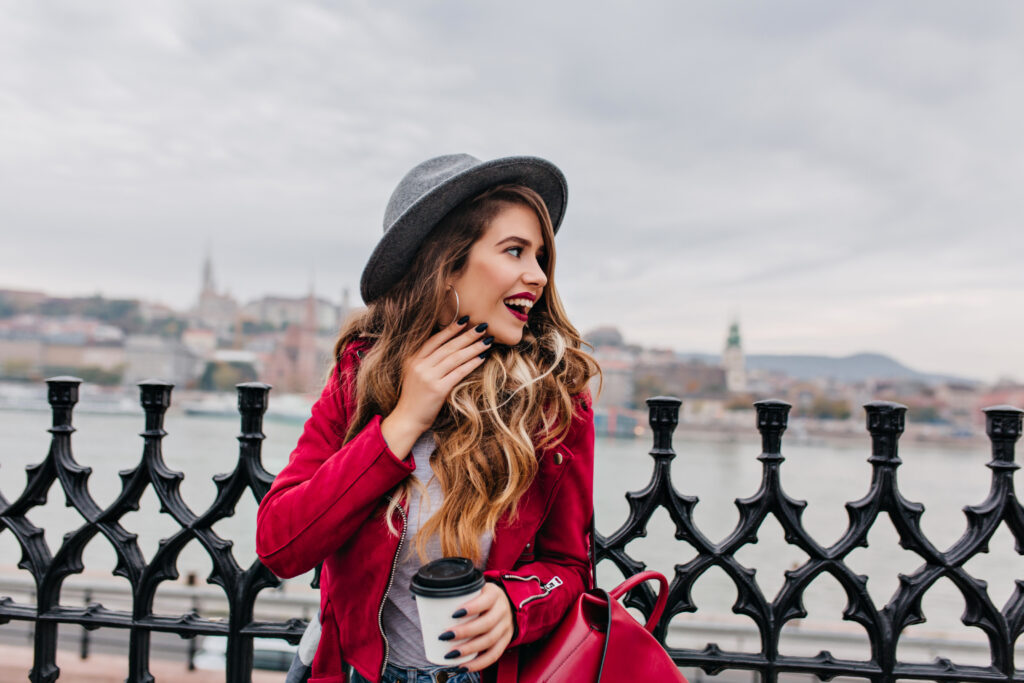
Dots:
(519, 400)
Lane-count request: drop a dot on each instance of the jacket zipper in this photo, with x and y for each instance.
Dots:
(391, 580)
(554, 583)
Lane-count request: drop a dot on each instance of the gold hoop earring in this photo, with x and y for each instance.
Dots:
(456, 316)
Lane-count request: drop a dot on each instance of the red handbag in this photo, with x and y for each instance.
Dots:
(597, 637)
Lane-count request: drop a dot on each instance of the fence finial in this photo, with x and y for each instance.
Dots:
(663, 418)
(772, 420)
(1003, 426)
(155, 397)
(62, 395)
(886, 421)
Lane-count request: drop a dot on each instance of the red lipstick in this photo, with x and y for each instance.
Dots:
(521, 316)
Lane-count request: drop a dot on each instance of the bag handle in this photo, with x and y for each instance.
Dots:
(659, 603)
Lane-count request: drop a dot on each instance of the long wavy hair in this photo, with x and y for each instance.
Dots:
(520, 399)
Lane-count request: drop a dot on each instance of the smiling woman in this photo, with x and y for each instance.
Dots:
(456, 423)
(505, 272)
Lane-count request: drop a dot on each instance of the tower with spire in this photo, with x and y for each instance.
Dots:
(733, 361)
(209, 287)
(214, 310)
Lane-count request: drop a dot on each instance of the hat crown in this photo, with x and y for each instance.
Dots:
(423, 178)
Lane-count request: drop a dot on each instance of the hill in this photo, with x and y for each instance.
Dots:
(856, 368)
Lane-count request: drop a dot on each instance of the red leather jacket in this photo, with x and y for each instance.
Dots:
(328, 504)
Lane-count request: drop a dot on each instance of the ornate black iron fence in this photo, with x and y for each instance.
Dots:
(885, 422)
(240, 585)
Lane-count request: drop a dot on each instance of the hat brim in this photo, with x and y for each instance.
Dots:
(395, 252)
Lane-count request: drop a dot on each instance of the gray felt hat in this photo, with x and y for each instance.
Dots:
(429, 191)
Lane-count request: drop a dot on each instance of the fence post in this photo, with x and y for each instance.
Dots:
(155, 397)
(62, 395)
(190, 581)
(83, 650)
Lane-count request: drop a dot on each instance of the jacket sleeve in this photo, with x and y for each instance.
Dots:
(327, 489)
(542, 590)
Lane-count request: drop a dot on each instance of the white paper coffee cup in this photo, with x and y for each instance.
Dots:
(440, 588)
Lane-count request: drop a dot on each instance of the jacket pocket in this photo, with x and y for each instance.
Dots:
(327, 664)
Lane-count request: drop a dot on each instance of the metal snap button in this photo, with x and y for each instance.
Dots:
(442, 676)
(558, 458)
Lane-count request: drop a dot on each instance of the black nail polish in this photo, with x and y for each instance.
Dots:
(447, 635)
(481, 327)
(485, 354)
(459, 613)
(461, 670)
(453, 654)
(463, 320)
(488, 340)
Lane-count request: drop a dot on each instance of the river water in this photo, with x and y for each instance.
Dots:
(826, 476)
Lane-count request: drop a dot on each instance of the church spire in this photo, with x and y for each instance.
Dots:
(734, 336)
(733, 361)
(208, 283)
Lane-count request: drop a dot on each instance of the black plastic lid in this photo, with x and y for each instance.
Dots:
(447, 577)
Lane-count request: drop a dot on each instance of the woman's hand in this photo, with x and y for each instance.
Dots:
(428, 377)
(490, 633)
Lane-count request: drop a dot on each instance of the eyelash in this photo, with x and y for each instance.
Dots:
(541, 258)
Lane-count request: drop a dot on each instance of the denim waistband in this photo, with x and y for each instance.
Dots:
(397, 674)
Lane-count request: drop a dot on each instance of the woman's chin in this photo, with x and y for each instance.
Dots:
(508, 338)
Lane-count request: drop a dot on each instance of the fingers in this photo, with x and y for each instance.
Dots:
(487, 599)
(487, 646)
(490, 655)
(490, 633)
(429, 376)
(455, 344)
(461, 362)
(481, 625)
(447, 333)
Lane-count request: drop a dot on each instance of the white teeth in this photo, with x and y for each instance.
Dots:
(526, 303)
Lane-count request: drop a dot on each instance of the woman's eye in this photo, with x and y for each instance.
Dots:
(515, 251)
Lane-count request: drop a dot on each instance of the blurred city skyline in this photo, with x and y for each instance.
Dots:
(837, 178)
(215, 312)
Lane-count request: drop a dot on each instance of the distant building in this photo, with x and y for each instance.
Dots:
(153, 357)
(616, 379)
(734, 362)
(32, 344)
(617, 361)
(959, 401)
(279, 312)
(684, 379)
(214, 310)
(199, 341)
(605, 336)
(22, 300)
(66, 356)
(297, 362)
(155, 311)
(21, 357)
(1006, 392)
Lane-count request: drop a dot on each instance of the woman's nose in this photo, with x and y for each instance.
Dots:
(535, 276)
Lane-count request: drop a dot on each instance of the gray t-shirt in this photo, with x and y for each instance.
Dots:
(400, 617)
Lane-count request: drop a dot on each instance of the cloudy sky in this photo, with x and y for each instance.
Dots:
(840, 177)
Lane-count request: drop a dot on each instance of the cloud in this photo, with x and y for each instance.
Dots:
(787, 162)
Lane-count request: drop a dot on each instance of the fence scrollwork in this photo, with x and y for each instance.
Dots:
(241, 585)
